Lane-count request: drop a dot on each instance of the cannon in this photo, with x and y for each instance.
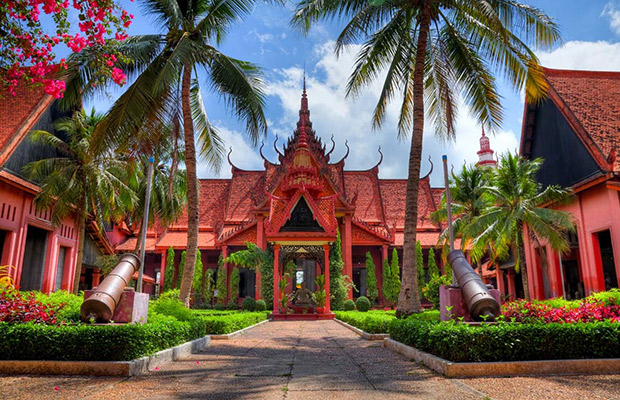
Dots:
(476, 296)
(102, 302)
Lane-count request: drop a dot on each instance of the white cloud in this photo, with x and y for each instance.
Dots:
(613, 14)
(243, 156)
(596, 56)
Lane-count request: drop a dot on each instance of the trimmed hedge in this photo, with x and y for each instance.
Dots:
(84, 342)
(261, 305)
(349, 305)
(362, 304)
(222, 325)
(376, 321)
(509, 341)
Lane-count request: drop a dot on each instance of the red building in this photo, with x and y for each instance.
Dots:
(577, 132)
(297, 205)
(43, 256)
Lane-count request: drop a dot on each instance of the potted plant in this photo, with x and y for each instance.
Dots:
(320, 295)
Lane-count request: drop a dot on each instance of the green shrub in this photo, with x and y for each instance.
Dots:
(609, 298)
(249, 304)
(222, 289)
(261, 305)
(221, 325)
(371, 279)
(349, 305)
(235, 278)
(431, 290)
(172, 307)
(428, 315)
(337, 285)
(362, 303)
(82, 342)
(509, 342)
(371, 322)
(70, 311)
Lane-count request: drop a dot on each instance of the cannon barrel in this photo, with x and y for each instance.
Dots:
(476, 295)
(102, 303)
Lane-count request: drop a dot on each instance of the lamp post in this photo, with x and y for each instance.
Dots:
(444, 158)
(145, 221)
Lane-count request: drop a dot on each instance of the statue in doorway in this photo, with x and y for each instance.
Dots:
(303, 297)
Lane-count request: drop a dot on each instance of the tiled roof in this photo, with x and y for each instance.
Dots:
(178, 240)
(363, 186)
(393, 193)
(213, 198)
(248, 191)
(593, 98)
(426, 239)
(18, 114)
(130, 245)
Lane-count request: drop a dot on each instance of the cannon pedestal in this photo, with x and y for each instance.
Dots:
(452, 297)
(132, 307)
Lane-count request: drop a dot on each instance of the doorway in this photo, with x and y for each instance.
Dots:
(607, 259)
(2, 242)
(60, 268)
(305, 274)
(359, 282)
(33, 265)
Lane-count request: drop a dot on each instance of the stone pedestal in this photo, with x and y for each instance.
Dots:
(132, 307)
(450, 298)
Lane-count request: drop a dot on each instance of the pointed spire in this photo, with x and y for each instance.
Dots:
(304, 126)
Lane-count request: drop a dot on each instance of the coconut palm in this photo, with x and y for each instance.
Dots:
(168, 188)
(469, 200)
(78, 181)
(165, 89)
(433, 51)
(517, 201)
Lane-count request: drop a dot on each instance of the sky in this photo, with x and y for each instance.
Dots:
(590, 40)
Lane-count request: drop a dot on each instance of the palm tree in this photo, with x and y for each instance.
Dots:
(434, 51)
(469, 200)
(78, 181)
(517, 201)
(168, 189)
(166, 90)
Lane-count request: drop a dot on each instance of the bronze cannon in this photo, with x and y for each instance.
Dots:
(104, 299)
(476, 295)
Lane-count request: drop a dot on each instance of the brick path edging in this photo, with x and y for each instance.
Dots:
(104, 368)
(363, 334)
(505, 368)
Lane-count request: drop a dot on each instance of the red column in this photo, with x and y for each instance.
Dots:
(225, 266)
(276, 278)
(512, 292)
(162, 271)
(260, 243)
(96, 278)
(348, 252)
(499, 276)
(326, 251)
(384, 256)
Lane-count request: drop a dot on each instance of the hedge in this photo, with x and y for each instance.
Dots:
(509, 341)
(82, 342)
(222, 325)
(376, 321)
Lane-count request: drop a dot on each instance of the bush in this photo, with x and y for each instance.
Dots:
(261, 305)
(68, 304)
(362, 303)
(171, 306)
(19, 307)
(371, 322)
(249, 304)
(539, 312)
(349, 305)
(221, 325)
(508, 341)
(431, 290)
(82, 342)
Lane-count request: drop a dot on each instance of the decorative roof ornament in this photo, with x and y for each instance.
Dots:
(431, 170)
(485, 154)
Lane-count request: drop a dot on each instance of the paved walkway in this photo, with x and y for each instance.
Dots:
(303, 360)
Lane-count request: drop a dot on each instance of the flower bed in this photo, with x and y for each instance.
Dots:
(533, 312)
(510, 341)
(34, 326)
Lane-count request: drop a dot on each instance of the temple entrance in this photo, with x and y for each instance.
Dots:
(301, 282)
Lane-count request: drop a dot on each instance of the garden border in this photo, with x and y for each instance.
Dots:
(591, 366)
(135, 367)
(363, 334)
(239, 332)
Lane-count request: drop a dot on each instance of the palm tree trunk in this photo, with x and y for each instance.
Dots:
(80, 250)
(192, 189)
(522, 262)
(409, 298)
(175, 157)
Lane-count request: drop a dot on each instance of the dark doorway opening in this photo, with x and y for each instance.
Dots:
(247, 282)
(2, 242)
(607, 260)
(519, 292)
(359, 280)
(573, 287)
(33, 265)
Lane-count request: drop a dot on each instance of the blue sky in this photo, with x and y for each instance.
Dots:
(590, 32)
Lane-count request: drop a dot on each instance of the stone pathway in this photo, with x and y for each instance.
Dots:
(303, 360)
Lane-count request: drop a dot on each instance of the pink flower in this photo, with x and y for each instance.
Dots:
(118, 76)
